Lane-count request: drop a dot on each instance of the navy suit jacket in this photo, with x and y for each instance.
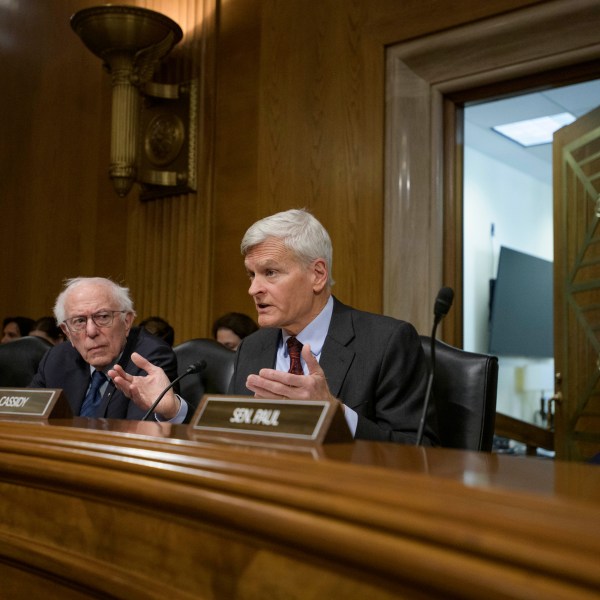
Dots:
(374, 364)
(63, 367)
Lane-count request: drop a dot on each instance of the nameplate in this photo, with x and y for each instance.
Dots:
(26, 403)
(292, 421)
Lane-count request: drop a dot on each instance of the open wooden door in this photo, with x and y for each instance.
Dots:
(576, 167)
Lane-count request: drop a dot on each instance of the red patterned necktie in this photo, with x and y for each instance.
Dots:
(294, 348)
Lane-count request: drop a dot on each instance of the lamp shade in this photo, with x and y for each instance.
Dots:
(108, 29)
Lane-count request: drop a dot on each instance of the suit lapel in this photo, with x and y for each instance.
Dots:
(337, 357)
(110, 391)
(267, 354)
(77, 381)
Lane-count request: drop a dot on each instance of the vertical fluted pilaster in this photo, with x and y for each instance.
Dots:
(125, 118)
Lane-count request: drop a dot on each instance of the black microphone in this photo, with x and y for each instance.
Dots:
(442, 305)
(443, 302)
(193, 368)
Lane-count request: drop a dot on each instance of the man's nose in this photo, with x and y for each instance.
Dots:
(254, 286)
(91, 329)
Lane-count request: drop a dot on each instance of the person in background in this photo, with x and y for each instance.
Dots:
(15, 327)
(232, 328)
(96, 316)
(47, 329)
(159, 327)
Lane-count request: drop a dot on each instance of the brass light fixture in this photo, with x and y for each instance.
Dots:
(131, 42)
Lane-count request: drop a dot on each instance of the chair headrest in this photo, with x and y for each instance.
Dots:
(19, 360)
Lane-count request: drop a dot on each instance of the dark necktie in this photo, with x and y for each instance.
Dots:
(294, 348)
(93, 397)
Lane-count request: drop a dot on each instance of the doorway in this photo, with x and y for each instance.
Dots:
(507, 208)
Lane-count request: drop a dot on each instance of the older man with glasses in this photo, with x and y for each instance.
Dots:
(96, 315)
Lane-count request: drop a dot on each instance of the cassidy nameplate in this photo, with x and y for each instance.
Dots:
(33, 403)
(307, 421)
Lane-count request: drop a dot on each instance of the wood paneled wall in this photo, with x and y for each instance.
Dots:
(293, 115)
(169, 240)
(61, 216)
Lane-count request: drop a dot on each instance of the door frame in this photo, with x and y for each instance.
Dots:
(428, 82)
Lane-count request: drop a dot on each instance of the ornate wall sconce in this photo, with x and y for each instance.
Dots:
(153, 124)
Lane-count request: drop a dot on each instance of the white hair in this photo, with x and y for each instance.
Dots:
(299, 230)
(119, 294)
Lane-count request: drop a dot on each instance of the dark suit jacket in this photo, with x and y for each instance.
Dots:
(374, 364)
(63, 367)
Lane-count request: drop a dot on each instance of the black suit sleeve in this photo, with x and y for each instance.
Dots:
(398, 391)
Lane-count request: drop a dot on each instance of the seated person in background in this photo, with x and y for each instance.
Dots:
(159, 327)
(47, 329)
(232, 328)
(373, 364)
(15, 327)
(96, 315)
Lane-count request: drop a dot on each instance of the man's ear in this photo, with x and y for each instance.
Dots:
(66, 331)
(320, 274)
(129, 317)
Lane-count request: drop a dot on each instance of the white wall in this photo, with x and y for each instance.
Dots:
(520, 208)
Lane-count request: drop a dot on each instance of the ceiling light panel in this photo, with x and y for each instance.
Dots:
(534, 132)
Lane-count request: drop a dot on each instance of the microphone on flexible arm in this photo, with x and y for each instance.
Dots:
(193, 368)
(442, 305)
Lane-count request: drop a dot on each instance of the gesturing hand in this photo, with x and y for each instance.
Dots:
(270, 383)
(144, 390)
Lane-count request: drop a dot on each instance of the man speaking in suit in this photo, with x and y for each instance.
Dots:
(373, 364)
(96, 315)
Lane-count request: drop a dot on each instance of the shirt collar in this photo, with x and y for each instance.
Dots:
(105, 371)
(315, 332)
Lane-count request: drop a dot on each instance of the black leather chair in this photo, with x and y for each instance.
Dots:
(19, 360)
(464, 390)
(213, 379)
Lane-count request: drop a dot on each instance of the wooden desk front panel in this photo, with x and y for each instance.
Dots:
(92, 513)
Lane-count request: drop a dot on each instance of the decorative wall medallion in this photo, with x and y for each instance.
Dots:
(163, 139)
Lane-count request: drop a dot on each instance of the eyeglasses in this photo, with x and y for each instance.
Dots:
(103, 318)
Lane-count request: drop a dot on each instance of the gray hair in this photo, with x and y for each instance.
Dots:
(119, 294)
(302, 233)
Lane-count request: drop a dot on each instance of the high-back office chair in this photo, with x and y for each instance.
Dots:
(19, 360)
(464, 391)
(213, 379)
